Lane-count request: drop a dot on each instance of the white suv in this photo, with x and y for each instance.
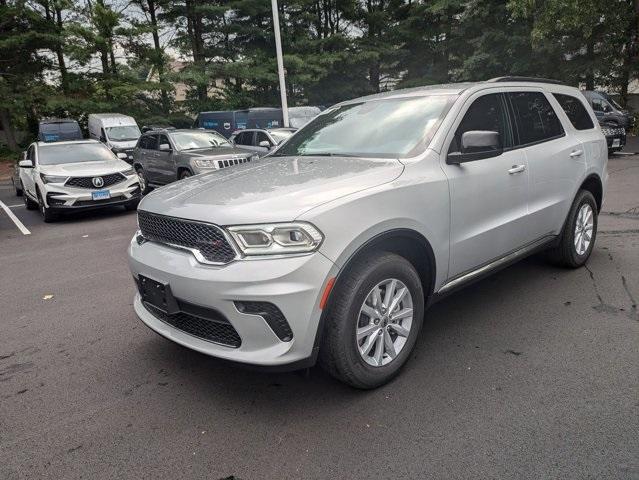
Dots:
(332, 247)
(76, 175)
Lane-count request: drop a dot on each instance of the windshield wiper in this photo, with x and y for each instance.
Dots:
(326, 154)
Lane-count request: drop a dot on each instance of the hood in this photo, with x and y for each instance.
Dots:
(85, 169)
(216, 153)
(273, 189)
(123, 145)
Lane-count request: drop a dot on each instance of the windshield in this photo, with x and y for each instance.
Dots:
(123, 133)
(73, 153)
(193, 140)
(397, 127)
(280, 135)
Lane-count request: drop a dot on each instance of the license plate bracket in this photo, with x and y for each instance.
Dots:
(158, 294)
(101, 195)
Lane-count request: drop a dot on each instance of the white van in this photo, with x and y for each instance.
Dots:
(119, 132)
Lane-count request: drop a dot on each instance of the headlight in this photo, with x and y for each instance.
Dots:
(128, 171)
(52, 178)
(276, 238)
(205, 163)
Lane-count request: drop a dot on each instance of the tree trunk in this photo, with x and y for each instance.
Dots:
(194, 26)
(159, 57)
(590, 59)
(64, 76)
(7, 128)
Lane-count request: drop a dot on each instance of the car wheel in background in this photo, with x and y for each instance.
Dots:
(577, 239)
(376, 313)
(144, 184)
(18, 187)
(133, 205)
(46, 212)
(185, 174)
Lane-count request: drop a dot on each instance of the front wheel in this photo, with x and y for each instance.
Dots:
(18, 188)
(142, 180)
(45, 211)
(577, 239)
(185, 174)
(30, 204)
(375, 316)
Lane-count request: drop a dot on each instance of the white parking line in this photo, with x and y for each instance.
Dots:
(18, 223)
(16, 206)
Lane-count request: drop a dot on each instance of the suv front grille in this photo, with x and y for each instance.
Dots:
(217, 330)
(208, 239)
(87, 182)
(613, 131)
(232, 161)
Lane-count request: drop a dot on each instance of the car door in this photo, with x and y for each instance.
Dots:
(27, 174)
(164, 163)
(489, 196)
(556, 159)
(150, 159)
(259, 138)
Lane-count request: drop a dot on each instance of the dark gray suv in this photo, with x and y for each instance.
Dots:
(164, 156)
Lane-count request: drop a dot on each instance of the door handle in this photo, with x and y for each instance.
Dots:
(576, 153)
(516, 169)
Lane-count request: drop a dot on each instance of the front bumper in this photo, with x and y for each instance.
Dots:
(293, 284)
(60, 197)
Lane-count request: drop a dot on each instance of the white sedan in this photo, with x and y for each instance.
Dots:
(76, 175)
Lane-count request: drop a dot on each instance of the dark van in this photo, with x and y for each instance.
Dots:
(58, 130)
(228, 121)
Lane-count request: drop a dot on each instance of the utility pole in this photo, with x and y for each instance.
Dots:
(280, 61)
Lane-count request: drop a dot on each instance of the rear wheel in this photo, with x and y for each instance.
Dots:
(17, 187)
(142, 180)
(375, 317)
(577, 239)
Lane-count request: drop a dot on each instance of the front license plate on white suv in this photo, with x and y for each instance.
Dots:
(616, 143)
(101, 195)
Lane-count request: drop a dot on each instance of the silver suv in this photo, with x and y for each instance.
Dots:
(332, 247)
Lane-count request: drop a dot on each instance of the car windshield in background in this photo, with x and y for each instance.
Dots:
(397, 127)
(123, 133)
(194, 140)
(73, 153)
(281, 135)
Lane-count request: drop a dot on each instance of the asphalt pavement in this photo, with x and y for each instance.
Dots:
(531, 373)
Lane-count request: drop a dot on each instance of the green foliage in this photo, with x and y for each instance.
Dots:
(75, 57)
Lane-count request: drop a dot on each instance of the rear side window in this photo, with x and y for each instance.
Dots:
(535, 119)
(147, 142)
(575, 111)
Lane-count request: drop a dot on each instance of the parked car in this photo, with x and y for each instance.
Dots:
(608, 111)
(261, 141)
(75, 175)
(164, 156)
(58, 130)
(333, 245)
(118, 132)
(615, 136)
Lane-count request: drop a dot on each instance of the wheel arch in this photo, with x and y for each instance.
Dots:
(594, 185)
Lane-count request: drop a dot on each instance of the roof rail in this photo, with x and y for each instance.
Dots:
(526, 79)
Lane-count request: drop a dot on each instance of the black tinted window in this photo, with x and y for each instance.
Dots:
(148, 142)
(575, 111)
(536, 120)
(486, 113)
(244, 138)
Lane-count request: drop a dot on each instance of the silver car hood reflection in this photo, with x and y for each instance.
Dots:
(273, 189)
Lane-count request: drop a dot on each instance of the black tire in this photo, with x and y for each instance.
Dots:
(565, 253)
(185, 174)
(18, 188)
(30, 204)
(133, 205)
(47, 215)
(339, 351)
(143, 181)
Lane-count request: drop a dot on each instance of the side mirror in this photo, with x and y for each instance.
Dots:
(122, 155)
(265, 144)
(165, 147)
(25, 164)
(476, 145)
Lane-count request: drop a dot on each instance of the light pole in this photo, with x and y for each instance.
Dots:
(280, 62)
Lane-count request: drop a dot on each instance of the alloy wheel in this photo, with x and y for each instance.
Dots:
(384, 322)
(584, 225)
